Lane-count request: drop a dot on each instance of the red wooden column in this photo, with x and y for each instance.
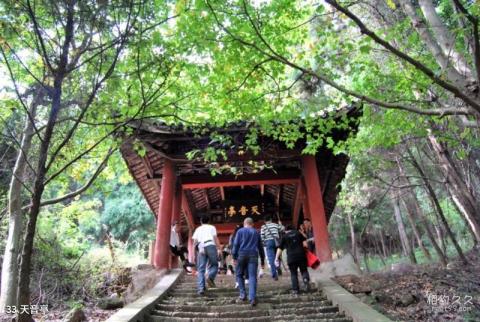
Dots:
(164, 216)
(191, 248)
(315, 208)
(176, 213)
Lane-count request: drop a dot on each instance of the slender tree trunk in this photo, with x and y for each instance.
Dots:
(38, 188)
(441, 240)
(9, 282)
(352, 237)
(465, 221)
(436, 205)
(402, 231)
(412, 220)
(382, 241)
(459, 190)
(441, 255)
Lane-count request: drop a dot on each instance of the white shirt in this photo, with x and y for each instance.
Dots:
(205, 234)
(174, 240)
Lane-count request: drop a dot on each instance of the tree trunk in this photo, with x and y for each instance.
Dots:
(382, 241)
(459, 190)
(441, 255)
(352, 237)
(436, 205)
(441, 240)
(38, 188)
(9, 282)
(465, 221)
(411, 219)
(403, 233)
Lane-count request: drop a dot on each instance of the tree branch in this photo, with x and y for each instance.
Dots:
(415, 63)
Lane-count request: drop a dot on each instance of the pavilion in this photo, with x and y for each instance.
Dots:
(278, 180)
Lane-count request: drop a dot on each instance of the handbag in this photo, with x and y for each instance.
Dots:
(312, 259)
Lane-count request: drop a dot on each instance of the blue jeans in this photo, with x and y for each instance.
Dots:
(271, 253)
(247, 263)
(209, 256)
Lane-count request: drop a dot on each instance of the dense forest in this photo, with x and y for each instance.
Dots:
(75, 74)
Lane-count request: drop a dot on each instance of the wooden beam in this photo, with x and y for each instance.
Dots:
(188, 211)
(297, 204)
(278, 196)
(222, 193)
(151, 174)
(251, 179)
(205, 195)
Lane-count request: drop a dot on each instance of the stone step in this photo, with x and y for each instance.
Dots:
(246, 312)
(328, 317)
(199, 300)
(172, 319)
(275, 303)
(226, 292)
(201, 307)
(262, 282)
(241, 312)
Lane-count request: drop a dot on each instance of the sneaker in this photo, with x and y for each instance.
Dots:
(295, 293)
(201, 293)
(236, 285)
(308, 287)
(241, 300)
(275, 278)
(253, 302)
(211, 283)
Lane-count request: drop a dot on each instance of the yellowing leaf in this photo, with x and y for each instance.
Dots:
(391, 4)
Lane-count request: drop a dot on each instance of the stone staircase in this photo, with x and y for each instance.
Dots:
(275, 303)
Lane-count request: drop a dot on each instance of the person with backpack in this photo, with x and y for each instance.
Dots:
(295, 244)
(270, 233)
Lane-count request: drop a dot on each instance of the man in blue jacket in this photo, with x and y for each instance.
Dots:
(246, 249)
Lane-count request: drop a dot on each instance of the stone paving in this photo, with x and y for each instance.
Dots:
(275, 303)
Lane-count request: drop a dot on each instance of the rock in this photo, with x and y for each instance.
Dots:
(406, 300)
(75, 315)
(141, 267)
(381, 297)
(402, 268)
(354, 284)
(376, 284)
(110, 303)
(142, 280)
(346, 266)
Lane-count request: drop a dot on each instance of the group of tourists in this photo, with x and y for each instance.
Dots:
(247, 246)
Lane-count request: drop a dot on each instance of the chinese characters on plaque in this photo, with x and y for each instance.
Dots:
(243, 210)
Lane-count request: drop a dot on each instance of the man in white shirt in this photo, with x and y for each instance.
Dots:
(209, 247)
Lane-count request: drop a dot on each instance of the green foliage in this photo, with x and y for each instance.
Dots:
(127, 217)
